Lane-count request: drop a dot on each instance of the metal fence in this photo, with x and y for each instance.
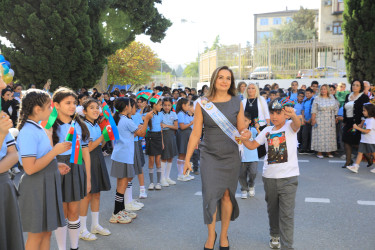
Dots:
(172, 81)
(283, 59)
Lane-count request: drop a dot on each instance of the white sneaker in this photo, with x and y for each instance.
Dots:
(151, 186)
(354, 169)
(100, 230)
(372, 170)
(132, 207)
(252, 192)
(164, 183)
(275, 242)
(129, 214)
(243, 194)
(171, 182)
(142, 193)
(183, 178)
(157, 186)
(138, 203)
(120, 218)
(190, 177)
(86, 235)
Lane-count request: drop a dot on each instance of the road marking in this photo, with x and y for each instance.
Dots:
(303, 160)
(318, 200)
(366, 203)
(332, 161)
(200, 194)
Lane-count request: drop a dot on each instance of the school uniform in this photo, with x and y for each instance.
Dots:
(99, 174)
(183, 135)
(249, 165)
(298, 107)
(153, 138)
(138, 152)
(123, 151)
(307, 128)
(169, 136)
(140, 139)
(40, 198)
(74, 183)
(367, 143)
(11, 236)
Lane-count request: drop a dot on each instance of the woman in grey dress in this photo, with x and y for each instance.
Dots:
(220, 164)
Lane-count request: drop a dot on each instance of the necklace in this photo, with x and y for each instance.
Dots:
(251, 103)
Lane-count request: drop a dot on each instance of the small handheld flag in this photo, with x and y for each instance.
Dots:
(107, 114)
(76, 156)
(156, 97)
(144, 93)
(108, 133)
(52, 118)
(71, 131)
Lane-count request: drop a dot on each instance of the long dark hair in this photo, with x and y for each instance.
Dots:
(370, 108)
(181, 102)
(152, 104)
(32, 98)
(120, 104)
(212, 91)
(59, 95)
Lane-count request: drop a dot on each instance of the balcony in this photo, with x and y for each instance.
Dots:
(337, 7)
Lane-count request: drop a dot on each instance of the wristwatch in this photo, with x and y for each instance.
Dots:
(251, 139)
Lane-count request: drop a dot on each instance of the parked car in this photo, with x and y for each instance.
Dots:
(321, 72)
(261, 73)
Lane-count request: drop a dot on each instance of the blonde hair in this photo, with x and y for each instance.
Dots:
(256, 90)
(328, 90)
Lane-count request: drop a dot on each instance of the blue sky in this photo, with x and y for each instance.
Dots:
(205, 19)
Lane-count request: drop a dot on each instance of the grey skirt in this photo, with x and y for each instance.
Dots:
(122, 170)
(99, 174)
(366, 148)
(11, 236)
(143, 160)
(183, 140)
(74, 183)
(137, 159)
(40, 200)
(153, 143)
(170, 144)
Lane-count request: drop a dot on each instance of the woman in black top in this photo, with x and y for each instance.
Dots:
(9, 105)
(353, 115)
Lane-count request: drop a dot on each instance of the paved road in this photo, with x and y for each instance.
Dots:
(327, 215)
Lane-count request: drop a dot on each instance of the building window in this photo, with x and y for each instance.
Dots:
(289, 19)
(277, 21)
(264, 21)
(336, 28)
(340, 1)
(261, 35)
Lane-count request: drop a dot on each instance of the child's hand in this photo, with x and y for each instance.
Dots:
(289, 112)
(63, 168)
(257, 125)
(88, 186)
(187, 167)
(162, 125)
(5, 123)
(245, 135)
(149, 115)
(355, 126)
(62, 147)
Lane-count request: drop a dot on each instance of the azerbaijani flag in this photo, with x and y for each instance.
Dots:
(108, 133)
(107, 114)
(52, 118)
(144, 93)
(76, 156)
(156, 97)
(71, 132)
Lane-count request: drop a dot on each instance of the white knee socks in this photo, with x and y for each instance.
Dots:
(180, 167)
(129, 193)
(60, 234)
(168, 170)
(73, 229)
(163, 167)
(94, 219)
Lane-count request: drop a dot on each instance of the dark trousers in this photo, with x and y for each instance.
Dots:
(306, 135)
(195, 159)
(248, 173)
(280, 198)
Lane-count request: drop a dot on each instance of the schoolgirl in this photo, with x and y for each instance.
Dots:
(10, 222)
(154, 144)
(40, 198)
(169, 125)
(367, 143)
(77, 183)
(99, 175)
(185, 124)
(123, 163)
(130, 204)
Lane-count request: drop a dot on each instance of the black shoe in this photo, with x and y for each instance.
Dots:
(225, 248)
(369, 163)
(205, 248)
(351, 163)
(302, 152)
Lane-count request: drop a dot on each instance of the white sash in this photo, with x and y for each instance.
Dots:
(224, 124)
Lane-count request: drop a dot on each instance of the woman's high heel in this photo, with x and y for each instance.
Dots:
(205, 248)
(225, 248)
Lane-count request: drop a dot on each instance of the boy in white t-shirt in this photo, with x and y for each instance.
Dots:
(280, 169)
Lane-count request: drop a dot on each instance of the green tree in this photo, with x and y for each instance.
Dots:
(191, 70)
(359, 39)
(69, 41)
(301, 27)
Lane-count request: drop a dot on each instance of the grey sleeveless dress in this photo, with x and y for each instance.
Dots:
(220, 162)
